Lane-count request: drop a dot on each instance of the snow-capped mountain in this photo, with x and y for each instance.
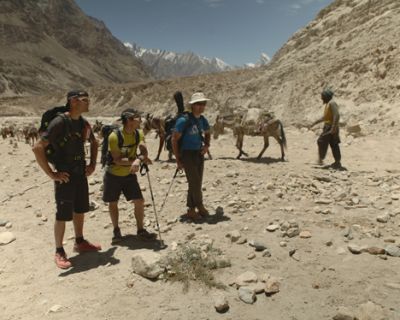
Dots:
(263, 60)
(166, 64)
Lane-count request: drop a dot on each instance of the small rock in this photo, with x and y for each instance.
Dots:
(305, 234)
(247, 295)
(251, 256)
(376, 250)
(272, 286)
(383, 218)
(392, 250)
(9, 225)
(6, 237)
(246, 278)
(221, 303)
(258, 246)
(55, 308)
(272, 227)
(355, 249)
(3, 223)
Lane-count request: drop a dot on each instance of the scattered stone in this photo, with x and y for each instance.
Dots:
(234, 235)
(272, 227)
(55, 308)
(9, 225)
(258, 246)
(292, 232)
(355, 249)
(246, 278)
(376, 250)
(221, 304)
(3, 223)
(283, 244)
(251, 256)
(147, 264)
(266, 253)
(242, 240)
(305, 234)
(272, 286)
(6, 237)
(392, 250)
(323, 201)
(384, 218)
(247, 295)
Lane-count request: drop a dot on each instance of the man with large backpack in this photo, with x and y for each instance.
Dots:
(122, 166)
(190, 142)
(62, 144)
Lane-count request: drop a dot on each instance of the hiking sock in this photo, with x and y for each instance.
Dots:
(79, 240)
(60, 250)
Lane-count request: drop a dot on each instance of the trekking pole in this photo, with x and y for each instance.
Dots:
(144, 169)
(169, 189)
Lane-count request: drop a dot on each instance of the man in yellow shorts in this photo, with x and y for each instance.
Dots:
(120, 176)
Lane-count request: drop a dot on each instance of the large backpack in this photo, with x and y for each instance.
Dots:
(106, 157)
(170, 123)
(53, 151)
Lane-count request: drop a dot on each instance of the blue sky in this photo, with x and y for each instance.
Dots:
(236, 31)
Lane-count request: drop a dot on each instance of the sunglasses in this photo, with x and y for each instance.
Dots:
(84, 99)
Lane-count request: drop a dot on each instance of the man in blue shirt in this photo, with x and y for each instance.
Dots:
(190, 142)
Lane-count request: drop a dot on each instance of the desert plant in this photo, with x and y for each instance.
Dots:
(192, 263)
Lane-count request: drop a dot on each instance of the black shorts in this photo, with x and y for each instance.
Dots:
(71, 197)
(114, 185)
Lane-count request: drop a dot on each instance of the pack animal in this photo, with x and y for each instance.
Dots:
(265, 126)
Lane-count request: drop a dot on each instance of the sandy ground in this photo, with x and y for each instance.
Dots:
(324, 276)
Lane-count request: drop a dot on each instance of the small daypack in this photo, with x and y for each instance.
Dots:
(53, 152)
(106, 157)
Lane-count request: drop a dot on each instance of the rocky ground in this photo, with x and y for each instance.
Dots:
(324, 244)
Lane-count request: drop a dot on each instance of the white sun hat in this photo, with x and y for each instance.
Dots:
(198, 97)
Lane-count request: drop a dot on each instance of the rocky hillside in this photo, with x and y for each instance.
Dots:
(52, 44)
(352, 46)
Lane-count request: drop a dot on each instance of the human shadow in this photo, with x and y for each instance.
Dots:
(133, 242)
(266, 160)
(331, 167)
(90, 260)
(211, 219)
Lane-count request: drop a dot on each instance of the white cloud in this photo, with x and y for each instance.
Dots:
(214, 3)
(260, 1)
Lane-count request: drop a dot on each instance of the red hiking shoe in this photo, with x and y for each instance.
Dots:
(62, 261)
(86, 246)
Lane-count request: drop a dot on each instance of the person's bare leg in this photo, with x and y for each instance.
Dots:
(59, 230)
(78, 220)
(114, 213)
(139, 213)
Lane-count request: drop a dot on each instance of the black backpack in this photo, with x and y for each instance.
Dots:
(170, 126)
(52, 152)
(106, 157)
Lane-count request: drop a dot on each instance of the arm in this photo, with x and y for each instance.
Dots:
(336, 116)
(175, 148)
(94, 147)
(315, 122)
(40, 155)
(207, 138)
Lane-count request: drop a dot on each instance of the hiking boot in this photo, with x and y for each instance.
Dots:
(145, 235)
(192, 214)
(117, 236)
(203, 211)
(336, 165)
(320, 162)
(62, 261)
(86, 246)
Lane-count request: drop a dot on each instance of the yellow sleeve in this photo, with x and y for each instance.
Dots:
(141, 137)
(113, 142)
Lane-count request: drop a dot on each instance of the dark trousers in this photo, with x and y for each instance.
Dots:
(193, 162)
(327, 139)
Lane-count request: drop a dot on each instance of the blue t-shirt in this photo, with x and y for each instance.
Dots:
(192, 138)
